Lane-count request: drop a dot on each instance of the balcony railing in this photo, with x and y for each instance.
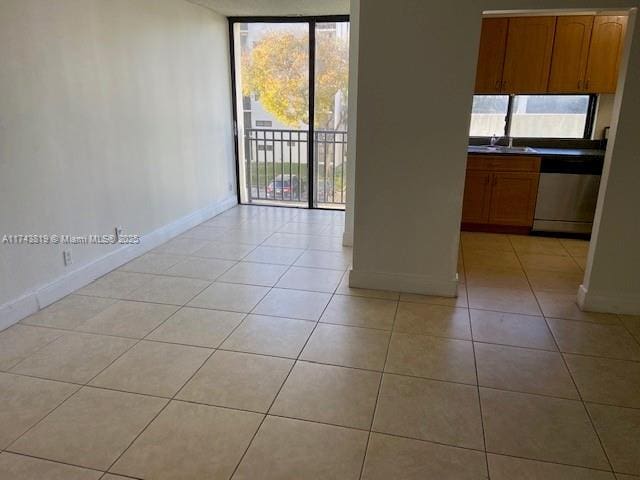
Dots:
(276, 166)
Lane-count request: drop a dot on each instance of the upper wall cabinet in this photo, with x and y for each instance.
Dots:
(493, 43)
(607, 40)
(528, 57)
(570, 54)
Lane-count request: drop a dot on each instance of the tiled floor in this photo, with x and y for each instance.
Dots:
(237, 350)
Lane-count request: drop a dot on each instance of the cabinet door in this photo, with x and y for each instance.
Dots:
(513, 198)
(477, 197)
(607, 40)
(493, 42)
(570, 54)
(528, 59)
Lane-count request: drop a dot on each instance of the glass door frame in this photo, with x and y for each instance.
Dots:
(311, 21)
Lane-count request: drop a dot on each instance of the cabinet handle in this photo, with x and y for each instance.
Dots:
(503, 85)
(498, 83)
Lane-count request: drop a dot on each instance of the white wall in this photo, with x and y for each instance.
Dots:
(112, 112)
(415, 83)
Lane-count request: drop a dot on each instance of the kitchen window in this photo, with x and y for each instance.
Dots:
(532, 116)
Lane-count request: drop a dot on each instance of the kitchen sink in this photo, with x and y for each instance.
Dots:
(500, 149)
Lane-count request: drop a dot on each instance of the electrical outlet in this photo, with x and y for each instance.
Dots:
(66, 256)
(118, 231)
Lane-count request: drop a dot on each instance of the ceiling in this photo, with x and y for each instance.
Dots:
(231, 8)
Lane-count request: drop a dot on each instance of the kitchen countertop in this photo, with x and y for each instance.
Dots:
(544, 152)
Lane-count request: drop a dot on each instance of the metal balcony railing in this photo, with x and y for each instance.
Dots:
(276, 166)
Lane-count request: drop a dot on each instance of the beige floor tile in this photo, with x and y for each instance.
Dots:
(181, 246)
(202, 268)
(487, 259)
(503, 300)
(459, 301)
(511, 329)
(91, 429)
(576, 248)
(566, 282)
(563, 305)
(228, 296)
(431, 357)
(612, 341)
(632, 323)
(293, 304)
(169, 290)
(198, 327)
(345, 289)
(206, 232)
(293, 449)
(523, 370)
(128, 319)
(553, 263)
(274, 255)
(429, 410)
(619, 430)
(116, 284)
(303, 228)
(328, 394)
(604, 380)
(347, 346)
(224, 251)
(248, 236)
(324, 259)
(19, 341)
(19, 467)
(485, 241)
(540, 428)
(360, 312)
(270, 336)
(406, 459)
(238, 380)
(497, 277)
(69, 312)
(190, 441)
(313, 279)
(523, 245)
(74, 357)
(622, 476)
(331, 243)
(111, 476)
(263, 274)
(288, 240)
(510, 468)
(582, 262)
(434, 320)
(153, 368)
(24, 401)
(152, 263)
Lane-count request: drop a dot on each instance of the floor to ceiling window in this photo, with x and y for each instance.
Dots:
(291, 91)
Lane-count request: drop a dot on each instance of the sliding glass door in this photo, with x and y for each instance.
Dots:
(290, 84)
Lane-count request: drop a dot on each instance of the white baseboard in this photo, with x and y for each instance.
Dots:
(347, 239)
(609, 303)
(401, 282)
(15, 310)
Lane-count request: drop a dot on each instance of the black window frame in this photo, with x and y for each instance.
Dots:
(588, 125)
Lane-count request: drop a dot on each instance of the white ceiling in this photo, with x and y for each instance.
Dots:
(231, 8)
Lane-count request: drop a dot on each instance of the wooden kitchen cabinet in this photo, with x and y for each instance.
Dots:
(607, 40)
(493, 44)
(528, 56)
(570, 54)
(500, 191)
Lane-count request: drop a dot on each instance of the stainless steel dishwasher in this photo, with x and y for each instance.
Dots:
(567, 194)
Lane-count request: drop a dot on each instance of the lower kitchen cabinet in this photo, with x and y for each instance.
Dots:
(500, 193)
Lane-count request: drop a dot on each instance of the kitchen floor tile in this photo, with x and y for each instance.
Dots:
(347, 346)
(224, 251)
(24, 401)
(510, 468)
(360, 312)
(167, 289)
(198, 327)
(181, 246)
(503, 300)
(277, 336)
(345, 289)
(563, 305)
(74, 357)
(566, 282)
(293, 304)
(230, 296)
(274, 255)
(511, 329)
(540, 428)
(313, 279)
(323, 259)
(68, 313)
(202, 268)
(286, 448)
(151, 263)
(524, 245)
(406, 459)
(91, 429)
(441, 412)
(328, 394)
(190, 441)
(552, 263)
(19, 467)
(523, 370)
(116, 284)
(153, 368)
(128, 319)
(19, 341)
(263, 274)
(238, 380)
(459, 301)
(434, 320)
(431, 357)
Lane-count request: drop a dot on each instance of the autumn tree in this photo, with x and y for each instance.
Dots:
(277, 69)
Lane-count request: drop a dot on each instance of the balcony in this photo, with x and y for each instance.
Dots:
(276, 168)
